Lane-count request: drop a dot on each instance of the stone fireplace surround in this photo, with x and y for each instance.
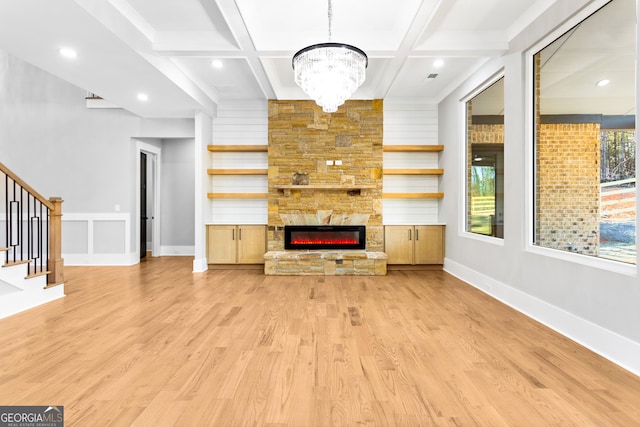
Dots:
(305, 141)
(323, 262)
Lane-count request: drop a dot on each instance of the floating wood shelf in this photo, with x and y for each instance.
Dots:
(324, 187)
(237, 148)
(237, 171)
(412, 195)
(412, 148)
(237, 195)
(413, 171)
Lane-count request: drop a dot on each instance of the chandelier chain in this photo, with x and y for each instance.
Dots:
(329, 16)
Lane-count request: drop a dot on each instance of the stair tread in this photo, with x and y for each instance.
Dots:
(38, 274)
(12, 263)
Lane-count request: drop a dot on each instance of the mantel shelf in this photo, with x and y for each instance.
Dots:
(325, 187)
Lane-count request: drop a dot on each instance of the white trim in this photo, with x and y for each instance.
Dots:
(131, 258)
(90, 258)
(529, 126)
(616, 348)
(588, 260)
(567, 25)
(483, 238)
(177, 250)
(202, 212)
(200, 265)
(463, 162)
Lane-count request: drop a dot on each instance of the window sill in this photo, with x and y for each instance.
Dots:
(498, 241)
(587, 260)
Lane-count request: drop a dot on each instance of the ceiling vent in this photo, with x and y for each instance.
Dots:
(430, 77)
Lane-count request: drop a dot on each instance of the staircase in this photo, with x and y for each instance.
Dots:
(19, 292)
(31, 267)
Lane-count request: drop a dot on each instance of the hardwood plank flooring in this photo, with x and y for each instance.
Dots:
(155, 345)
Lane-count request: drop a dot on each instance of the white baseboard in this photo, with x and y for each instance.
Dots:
(101, 259)
(610, 345)
(200, 265)
(24, 300)
(177, 250)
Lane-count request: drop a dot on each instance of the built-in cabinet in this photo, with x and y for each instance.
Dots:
(236, 244)
(414, 244)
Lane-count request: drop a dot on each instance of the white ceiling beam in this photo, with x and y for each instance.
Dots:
(233, 17)
(113, 19)
(423, 18)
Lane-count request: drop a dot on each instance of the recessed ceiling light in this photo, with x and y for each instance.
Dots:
(438, 63)
(216, 63)
(603, 82)
(68, 52)
(143, 97)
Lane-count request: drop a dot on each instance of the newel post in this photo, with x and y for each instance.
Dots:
(56, 263)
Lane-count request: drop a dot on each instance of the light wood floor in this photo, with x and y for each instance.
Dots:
(155, 345)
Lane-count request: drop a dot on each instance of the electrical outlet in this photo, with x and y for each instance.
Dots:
(338, 162)
(329, 162)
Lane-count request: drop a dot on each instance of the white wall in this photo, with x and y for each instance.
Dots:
(177, 197)
(410, 124)
(86, 156)
(245, 124)
(594, 302)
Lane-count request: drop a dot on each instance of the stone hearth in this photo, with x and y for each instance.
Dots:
(327, 263)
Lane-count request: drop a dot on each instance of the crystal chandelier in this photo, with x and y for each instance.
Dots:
(329, 72)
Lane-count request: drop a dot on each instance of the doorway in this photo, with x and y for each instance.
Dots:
(148, 199)
(144, 216)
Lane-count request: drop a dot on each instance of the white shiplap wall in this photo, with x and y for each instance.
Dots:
(404, 124)
(410, 124)
(245, 124)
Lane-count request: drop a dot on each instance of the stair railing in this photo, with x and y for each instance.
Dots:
(32, 229)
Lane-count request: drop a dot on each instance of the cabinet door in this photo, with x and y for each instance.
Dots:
(221, 244)
(398, 244)
(429, 244)
(251, 244)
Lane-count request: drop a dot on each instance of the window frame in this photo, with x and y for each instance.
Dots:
(530, 155)
(463, 190)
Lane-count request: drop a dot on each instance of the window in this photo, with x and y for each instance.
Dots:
(485, 161)
(585, 145)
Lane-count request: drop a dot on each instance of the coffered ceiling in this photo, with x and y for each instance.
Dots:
(165, 48)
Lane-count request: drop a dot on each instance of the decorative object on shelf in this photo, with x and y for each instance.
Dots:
(329, 72)
(300, 178)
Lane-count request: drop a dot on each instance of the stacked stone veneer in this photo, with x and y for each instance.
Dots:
(568, 187)
(302, 139)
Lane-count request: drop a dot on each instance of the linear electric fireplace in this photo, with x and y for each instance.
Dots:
(325, 237)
